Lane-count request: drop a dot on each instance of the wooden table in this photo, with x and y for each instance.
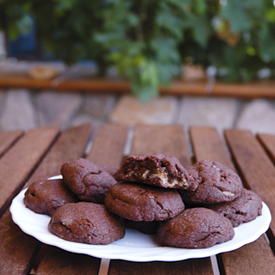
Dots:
(38, 154)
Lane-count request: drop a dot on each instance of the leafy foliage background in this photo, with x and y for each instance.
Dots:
(148, 40)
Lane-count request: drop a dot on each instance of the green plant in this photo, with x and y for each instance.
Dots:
(148, 40)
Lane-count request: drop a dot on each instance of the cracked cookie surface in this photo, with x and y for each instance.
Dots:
(210, 182)
(138, 202)
(43, 197)
(157, 169)
(247, 207)
(87, 180)
(86, 222)
(195, 228)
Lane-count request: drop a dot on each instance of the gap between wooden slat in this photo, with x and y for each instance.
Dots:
(215, 266)
(8, 139)
(104, 267)
(17, 155)
(12, 261)
(128, 142)
(268, 143)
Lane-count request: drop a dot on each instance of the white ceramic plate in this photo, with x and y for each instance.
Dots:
(135, 246)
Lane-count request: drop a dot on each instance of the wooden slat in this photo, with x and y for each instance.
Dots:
(167, 140)
(188, 267)
(17, 165)
(70, 145)
(8, 138)
(254, 258)
(108, 138)
(108, 144)
(268, 141)
(17, 248)
(57, 261)
(255, 166)
(207, 143)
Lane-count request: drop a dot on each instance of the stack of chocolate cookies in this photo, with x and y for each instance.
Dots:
(213, 200)
(192, 207)
(76, 203)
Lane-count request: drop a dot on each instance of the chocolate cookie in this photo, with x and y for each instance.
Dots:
(138, 202)
(86, 222)
(210, 182)
(158, 170)
(87, 180)
(195, 228)
(243, 209)
(43, 197)
(111, 169)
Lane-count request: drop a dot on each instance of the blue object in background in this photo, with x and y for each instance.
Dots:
(24, 46)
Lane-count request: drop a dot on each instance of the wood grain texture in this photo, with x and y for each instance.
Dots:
(149, 139)
(207, 144)
(8, 138)
(251, 258)
(17, 249)
(108, 144)
(268, 142)
(17, 165)
(57, 261)
(69, 145)
(256, 168)
(167, 139)
(188, 267)
(109, 138)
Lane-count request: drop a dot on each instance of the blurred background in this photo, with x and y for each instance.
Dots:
(203, 62)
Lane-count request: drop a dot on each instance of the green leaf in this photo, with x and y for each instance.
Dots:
(267, 43)
(148, 72)
(167, 72)
(202, 30)
(165, 50)
(242, 14)
(170, 21)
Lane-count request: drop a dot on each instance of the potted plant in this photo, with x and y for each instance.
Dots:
(148, 40)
